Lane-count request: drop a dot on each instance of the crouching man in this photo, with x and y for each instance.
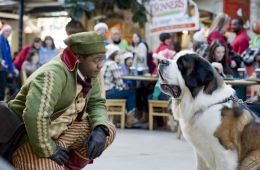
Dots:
(63, 110)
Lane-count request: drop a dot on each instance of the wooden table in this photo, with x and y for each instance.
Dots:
(140, 78)
(227, 81)
(242, 82)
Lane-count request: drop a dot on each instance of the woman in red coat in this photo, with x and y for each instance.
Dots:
(21, 57)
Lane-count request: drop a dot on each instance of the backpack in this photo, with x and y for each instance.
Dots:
(249, 55)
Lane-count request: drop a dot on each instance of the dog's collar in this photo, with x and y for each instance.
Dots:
(240, 102)
(230, 98)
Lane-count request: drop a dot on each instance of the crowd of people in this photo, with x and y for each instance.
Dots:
(242, 54)
(29, 59)
(123, 59)
(215, 47)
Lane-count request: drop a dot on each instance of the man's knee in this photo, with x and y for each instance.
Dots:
(112, 134)
(79, 158)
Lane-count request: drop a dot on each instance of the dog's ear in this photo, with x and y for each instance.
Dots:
(204, 71)
(196, 72)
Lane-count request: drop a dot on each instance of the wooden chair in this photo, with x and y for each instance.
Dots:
(157, 108)
(160, 108)
(117, 107)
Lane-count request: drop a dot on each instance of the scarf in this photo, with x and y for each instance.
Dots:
(6, 53)
(85, 84)
(86, 87)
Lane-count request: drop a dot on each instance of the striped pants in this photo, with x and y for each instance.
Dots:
(73, 139)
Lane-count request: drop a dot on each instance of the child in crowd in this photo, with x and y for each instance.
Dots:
(21, 57)
(127, 69)
(32, 62)
(114, 86)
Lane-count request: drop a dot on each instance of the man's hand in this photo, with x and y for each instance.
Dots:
(252, 99)
(3, 64)
(233, 64)
(16, 72)
(96, 141)
(61, 155)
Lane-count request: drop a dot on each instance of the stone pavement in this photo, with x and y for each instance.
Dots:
(146, 150)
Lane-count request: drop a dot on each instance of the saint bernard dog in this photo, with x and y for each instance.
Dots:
(224, 135)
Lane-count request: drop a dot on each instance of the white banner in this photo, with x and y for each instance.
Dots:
(172, 16)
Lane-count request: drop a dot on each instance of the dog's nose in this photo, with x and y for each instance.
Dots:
(165, 62)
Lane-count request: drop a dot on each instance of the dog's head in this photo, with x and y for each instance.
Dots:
(189, 71)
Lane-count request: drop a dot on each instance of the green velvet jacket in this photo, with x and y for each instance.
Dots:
(50, 89)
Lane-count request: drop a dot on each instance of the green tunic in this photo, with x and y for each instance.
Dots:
(50, 89)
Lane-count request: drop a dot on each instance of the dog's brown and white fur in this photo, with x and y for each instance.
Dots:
(223, 134)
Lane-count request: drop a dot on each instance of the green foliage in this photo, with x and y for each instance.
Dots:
(78, 7)
(140, 17)
(139, 14)
(124, 4)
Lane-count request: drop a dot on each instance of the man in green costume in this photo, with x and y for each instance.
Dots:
(63, 110)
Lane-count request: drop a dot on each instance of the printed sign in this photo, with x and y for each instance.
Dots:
(172, 15)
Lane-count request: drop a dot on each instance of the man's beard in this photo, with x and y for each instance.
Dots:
(117, 41)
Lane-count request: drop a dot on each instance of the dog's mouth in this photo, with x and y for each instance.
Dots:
(172, 90)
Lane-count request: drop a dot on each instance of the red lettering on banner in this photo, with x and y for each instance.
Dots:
(168, 5)
(171, 27)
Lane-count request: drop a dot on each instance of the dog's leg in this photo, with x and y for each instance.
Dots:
(201, 164)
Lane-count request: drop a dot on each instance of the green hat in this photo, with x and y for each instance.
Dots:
(86, 43)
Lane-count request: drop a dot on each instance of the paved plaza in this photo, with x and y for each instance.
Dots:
(146, 150)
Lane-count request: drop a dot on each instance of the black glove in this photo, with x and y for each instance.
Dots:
(96, 141)
(61, 155)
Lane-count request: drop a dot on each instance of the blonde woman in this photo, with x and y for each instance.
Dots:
(218, 28)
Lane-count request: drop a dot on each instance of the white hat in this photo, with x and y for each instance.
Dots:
(6, 27)
(164, 54)
(100, 25)
(127, 55)
(111, 48)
